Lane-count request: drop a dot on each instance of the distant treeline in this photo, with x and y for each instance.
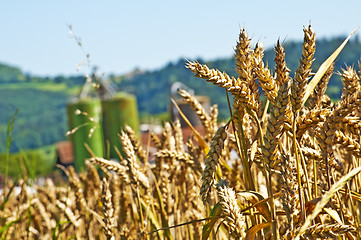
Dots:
(41, 100)
(10, 74)
(152, 88)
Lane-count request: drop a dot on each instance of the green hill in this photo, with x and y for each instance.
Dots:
(152, 88)
(41, 120)
(41, 100)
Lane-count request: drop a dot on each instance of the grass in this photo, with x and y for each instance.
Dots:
(37, 162)
(45, 86)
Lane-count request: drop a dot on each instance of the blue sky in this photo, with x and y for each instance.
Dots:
(121, 35)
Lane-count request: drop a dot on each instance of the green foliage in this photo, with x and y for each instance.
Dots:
(41, 120)
(9, 139)
(37, 162)
(161, 117)
(11, 74)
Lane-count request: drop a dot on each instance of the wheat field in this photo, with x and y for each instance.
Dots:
(285, 166)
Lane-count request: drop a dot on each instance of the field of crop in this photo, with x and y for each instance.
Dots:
(287, 168)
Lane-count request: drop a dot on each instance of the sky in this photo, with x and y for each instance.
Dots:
(120, 36)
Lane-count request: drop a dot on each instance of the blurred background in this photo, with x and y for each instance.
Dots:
(49, 49)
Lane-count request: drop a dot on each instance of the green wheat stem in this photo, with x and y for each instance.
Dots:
(9, 139)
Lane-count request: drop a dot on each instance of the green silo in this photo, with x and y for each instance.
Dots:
(84, 115)
(118, 111)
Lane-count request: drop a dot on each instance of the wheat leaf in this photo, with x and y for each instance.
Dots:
(251, 234)
(208, 226)
(334, 215)
(324, 200)
(259, 202)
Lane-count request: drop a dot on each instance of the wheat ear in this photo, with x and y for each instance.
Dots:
(327, 231)
(279, 115)
(134, 169)
(304, 70)
(118, 168)
(289, 199)
(178, 136)
(243, 58)
(199, 110)
(211, 163)
(281, 70)
(315, 99)
(136, 144)
(214, 117)
(348, 143)
(108, 211)
(350, 80)
(231, 210)
(239, 88)
(180, 156)
(311, 119)
(266, 80)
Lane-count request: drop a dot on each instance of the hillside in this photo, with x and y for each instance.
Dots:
(152, 88)
(41, 101)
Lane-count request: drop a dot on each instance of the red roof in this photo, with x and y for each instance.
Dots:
(65, 152)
